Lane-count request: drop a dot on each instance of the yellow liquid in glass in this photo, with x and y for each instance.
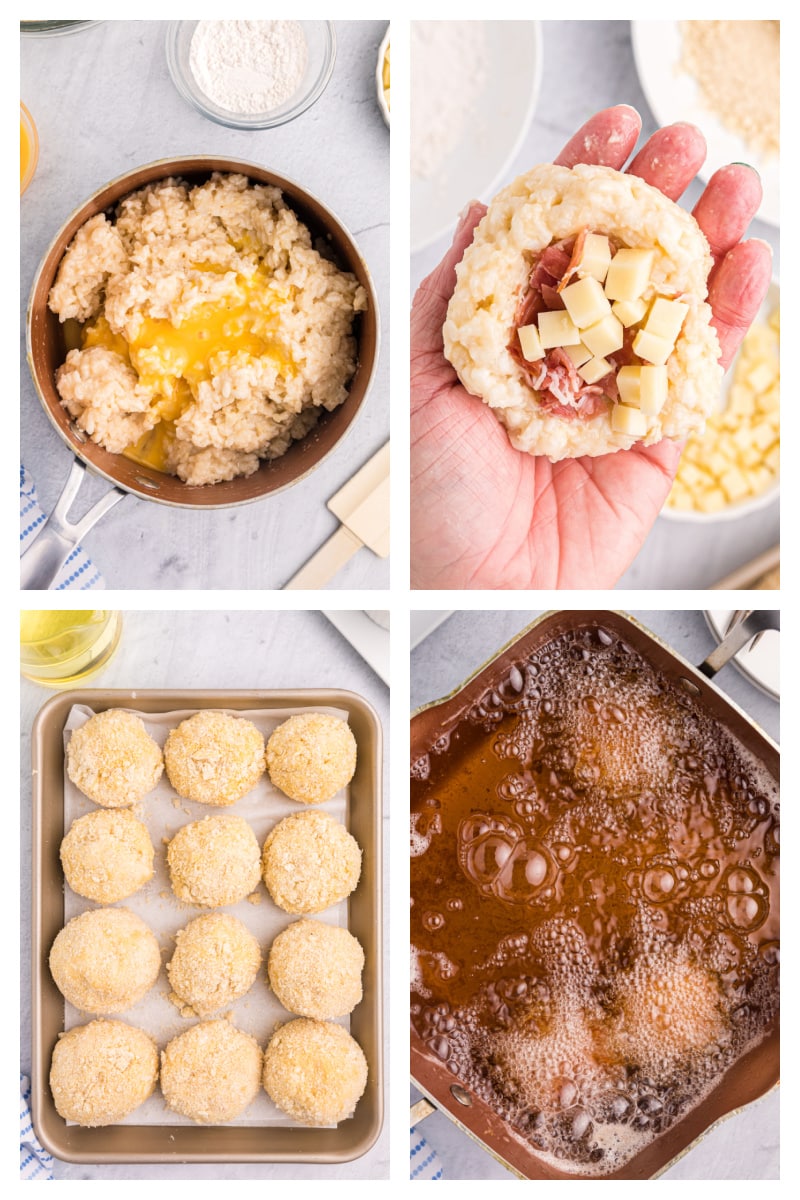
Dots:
(57, 648)
(25, 151)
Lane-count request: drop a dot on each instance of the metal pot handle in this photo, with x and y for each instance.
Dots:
(419, 1111)
(750, 626)
(44, 558)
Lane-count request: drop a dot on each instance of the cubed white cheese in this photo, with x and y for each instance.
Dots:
(586, 302)
(629, 312)
(762, 376)
(605, 337)
(579, 354)
(734, 484)
(712, 500)
(666, 318)
(530, 343)
(629, 274)
(653, 390)
(595, 257)
(557, 329)
(651, 347)
(629, 382)
(594, 369)
(628, 420)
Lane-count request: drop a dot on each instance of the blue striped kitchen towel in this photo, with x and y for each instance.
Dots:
(78, 572)
(34, 1161)
(424, 1161)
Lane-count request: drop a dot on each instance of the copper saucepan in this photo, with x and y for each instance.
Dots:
(46, 352)
(752, 1075)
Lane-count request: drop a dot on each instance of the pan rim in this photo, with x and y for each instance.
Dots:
(354, 1142)
(694, 674)
(625, 616)
(222, 163)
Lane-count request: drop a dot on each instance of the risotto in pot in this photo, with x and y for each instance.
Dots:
(207, 331)
(579, 314)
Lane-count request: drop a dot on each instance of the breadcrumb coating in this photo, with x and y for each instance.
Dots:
(105, 960)
(102, 1072)
(214, 758)
(311, 757)
(113, 759)
(214, 862)
(216, 961)
(211, 1072)
(107, 855)
(315, 969)
(315, 1071)
(310, 862)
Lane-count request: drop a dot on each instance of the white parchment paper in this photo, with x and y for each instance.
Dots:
(164, 812)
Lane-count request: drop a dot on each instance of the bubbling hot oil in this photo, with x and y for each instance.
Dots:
(594, 917)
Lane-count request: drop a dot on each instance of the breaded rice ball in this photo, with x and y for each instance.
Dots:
(214, 758)
(311, 757)
(102, 1071)
(315, 969)
(211, 1072)
(107, 855)
(214, 862)
(315, 1071)
(216, 961)
(310, 862)
(113, 759)
(105, 960)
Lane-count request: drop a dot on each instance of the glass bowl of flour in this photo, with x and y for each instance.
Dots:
(251, 74)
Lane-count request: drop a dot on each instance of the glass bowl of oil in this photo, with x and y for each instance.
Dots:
(28, 147)
(59, 648)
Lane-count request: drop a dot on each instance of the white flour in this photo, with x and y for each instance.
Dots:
(248, 66)
(449, 71)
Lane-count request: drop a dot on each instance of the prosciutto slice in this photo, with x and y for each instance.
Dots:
(559, 388)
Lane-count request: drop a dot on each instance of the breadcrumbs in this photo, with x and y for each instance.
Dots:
(105, 960)
(107, 855)
(216, 961)
(315, 1071)
(737, 68)
(211, 1072)
(102, 1072)
(113, 759)
(214, 862)
(214, 758)
(311, 757)
(310, 862)
(315, 969)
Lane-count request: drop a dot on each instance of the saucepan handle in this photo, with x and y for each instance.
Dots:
(751, 625)
(419, 1111)
(44, 558)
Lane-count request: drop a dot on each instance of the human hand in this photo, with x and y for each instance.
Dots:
(484, 515)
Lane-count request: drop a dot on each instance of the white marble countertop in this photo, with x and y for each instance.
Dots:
(746, 1145)
(240, 650)
(589, 65)
(104, 103)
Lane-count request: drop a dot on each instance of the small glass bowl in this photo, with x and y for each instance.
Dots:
(28, 126)
(321, 42)
(381, 94)
(53, 28)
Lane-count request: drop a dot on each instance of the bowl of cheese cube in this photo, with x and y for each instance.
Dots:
(733, 467)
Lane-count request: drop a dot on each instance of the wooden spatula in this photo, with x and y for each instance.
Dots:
(362, 506)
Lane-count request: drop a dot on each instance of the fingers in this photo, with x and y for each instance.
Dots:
(671, 158)
(605, 140)
(726, 207)
(736, 290)
(429, 309)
